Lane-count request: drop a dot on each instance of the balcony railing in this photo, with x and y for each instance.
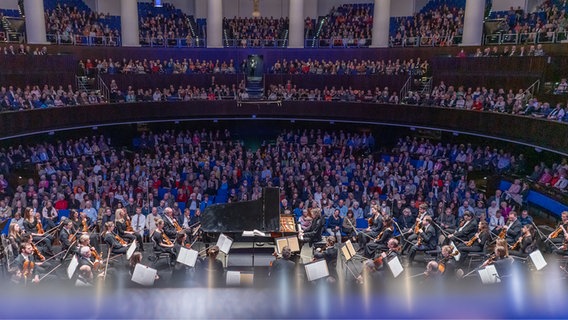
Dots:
(174, 43)
(80, 40)
(338, 43)
(12, 37)
(425, 42)
(255, 43)
(526, 38)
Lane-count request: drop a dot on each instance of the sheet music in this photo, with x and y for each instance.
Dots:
(187, 257)
(131, 250)
(233, 278)
(489, 275)
(254, 233)
(144, 275)
(291, 242)
(316, 270)
(538, 260)
(224, 243)
(72, 266)
(458, 256)
(395, 266)
(348, 250)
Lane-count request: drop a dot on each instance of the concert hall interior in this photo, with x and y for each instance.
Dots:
(283, 159)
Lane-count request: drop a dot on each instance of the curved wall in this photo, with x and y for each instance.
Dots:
(543, 134)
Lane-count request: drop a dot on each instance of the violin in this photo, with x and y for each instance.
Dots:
(128, 226)
(516, 245)
(417, 226)
(371, 221)
(472, 240)
(39, 228)
(166, 239)
(556, 232)
(95, 254)
(177, 226)
(503, 233)
(37, 253)
(72, 238)
(120, 240)
(85, 227)
(28, 268)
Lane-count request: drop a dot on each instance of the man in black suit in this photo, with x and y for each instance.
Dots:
(426, 239)
(111, 201)
(467, 229)
(65, 236)
(513, 228)
(170, 223)
(283, 269)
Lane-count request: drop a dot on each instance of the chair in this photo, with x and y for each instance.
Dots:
(157, 256)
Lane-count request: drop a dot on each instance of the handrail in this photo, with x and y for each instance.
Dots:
(405, 88)
(188, 42)
(101, 85)
(530, 91)
(80, 40)
(255, 43)
(526, 38)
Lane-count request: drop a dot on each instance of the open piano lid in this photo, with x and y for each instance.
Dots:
(261, 214)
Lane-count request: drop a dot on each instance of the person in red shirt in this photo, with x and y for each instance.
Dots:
(61, 203)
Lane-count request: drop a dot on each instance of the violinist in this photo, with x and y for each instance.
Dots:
(477, 242)
(329, 253)
(15, 236)
(40, 259)
(467, 228)
(84, 274)
(112, 240)
(122, 223)
(426, 239)
(373, 230)
(447, 264)
(503, 263)
(375, 269)
(171, 225)
(422, 213)
(526, 243)
(85, 230)
(25, 265)
(380, 241)
(333, 226)
(67, 236)
(348, 226)
(556, 238)
(162, 243)
(284, 268)
(32, 225)
(513, 228)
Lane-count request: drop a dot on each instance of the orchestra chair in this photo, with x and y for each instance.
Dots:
(159, 256)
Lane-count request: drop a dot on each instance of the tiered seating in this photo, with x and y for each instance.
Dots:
(439, 23)
(255, 32)
(347, 26)
(167, 26)
(73, 22)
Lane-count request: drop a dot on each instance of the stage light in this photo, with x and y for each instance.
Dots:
(158, 3)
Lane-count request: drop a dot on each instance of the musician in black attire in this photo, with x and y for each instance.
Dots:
(330, 255)
(31, 224)
(422, 213)
(170, 223)
(213, 271)
(162, 243)
(111, 239)
(513, 228)
(194, 232)
(447, 264)
(526, 243)
(376, 269)
(503, 264)
(283, 268)
(557, 241)
(29, 273)
(313, 233)
(405, 221)
(476, 243)
(66, 236)
(123, 232)
(380, 241)
(426, 239)
(467, 229)
(373, 230)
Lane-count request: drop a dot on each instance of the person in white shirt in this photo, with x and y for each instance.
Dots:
(90, 212)
(151, 222)
(139, 222)
(496, 222)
